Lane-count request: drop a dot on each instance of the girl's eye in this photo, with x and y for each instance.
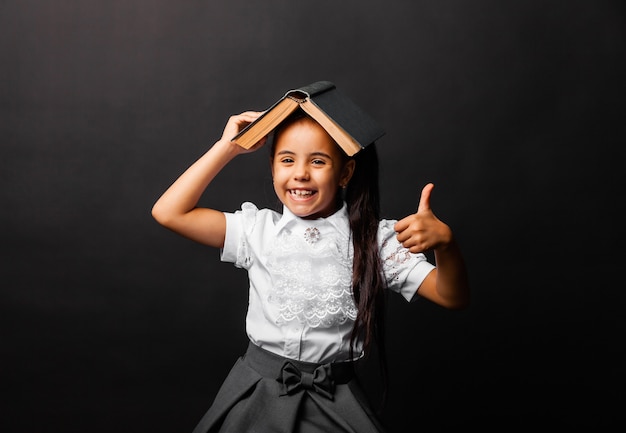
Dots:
(286, 160)
(319, 162)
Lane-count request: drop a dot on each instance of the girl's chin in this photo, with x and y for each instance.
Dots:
(300, 212)
(307, 212)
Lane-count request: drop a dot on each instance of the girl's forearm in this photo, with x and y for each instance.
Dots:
(183, 195)
(452, 280)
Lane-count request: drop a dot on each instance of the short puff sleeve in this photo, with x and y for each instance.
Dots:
(239, 226)
(404, 271)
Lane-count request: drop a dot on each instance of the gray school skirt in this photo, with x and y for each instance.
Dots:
(266, 393)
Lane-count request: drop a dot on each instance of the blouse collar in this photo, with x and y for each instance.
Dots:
(339, 220)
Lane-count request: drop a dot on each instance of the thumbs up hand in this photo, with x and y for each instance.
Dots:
(423, 231)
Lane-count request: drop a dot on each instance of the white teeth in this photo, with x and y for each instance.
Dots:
(301, 193)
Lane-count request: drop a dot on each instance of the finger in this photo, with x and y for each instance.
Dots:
(401, 225)
(250, 114)
(245, 118)
(424, 203)
(237, 122)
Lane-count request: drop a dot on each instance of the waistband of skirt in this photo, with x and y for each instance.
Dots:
(269, 364)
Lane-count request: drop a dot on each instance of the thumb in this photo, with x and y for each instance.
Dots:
(425, 197)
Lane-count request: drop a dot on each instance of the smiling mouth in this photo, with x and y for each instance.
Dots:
(301, 193)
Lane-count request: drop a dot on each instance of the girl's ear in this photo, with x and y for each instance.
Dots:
(347, 172)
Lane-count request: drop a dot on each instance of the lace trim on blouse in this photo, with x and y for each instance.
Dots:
(393, 255)
(312, 275)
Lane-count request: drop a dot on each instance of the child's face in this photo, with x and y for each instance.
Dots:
(308, 169)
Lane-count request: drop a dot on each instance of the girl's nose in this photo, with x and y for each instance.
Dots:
(301, 172)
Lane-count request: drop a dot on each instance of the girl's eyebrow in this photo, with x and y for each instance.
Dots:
(322, 154)
(291, 152)
(285, 152)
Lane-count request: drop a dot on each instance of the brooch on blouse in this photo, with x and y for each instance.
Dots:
(312, 235)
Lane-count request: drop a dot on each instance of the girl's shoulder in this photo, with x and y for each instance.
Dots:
(386, 228)
(252, 215)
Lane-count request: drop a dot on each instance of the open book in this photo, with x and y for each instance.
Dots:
(345, 122)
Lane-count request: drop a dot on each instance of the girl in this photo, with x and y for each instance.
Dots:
(317, 275)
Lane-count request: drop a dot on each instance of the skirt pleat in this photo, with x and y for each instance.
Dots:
(252, 400)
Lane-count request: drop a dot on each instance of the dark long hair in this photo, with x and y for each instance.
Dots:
(362, 197)
(368, 284)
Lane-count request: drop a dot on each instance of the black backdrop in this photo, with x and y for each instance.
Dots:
(515, 110)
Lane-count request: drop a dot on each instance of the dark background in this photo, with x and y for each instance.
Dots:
(515, 110)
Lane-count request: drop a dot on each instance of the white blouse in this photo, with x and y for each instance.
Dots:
(300, 271)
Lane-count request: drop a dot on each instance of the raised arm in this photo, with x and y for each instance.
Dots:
(177, 208)
(447, 285)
